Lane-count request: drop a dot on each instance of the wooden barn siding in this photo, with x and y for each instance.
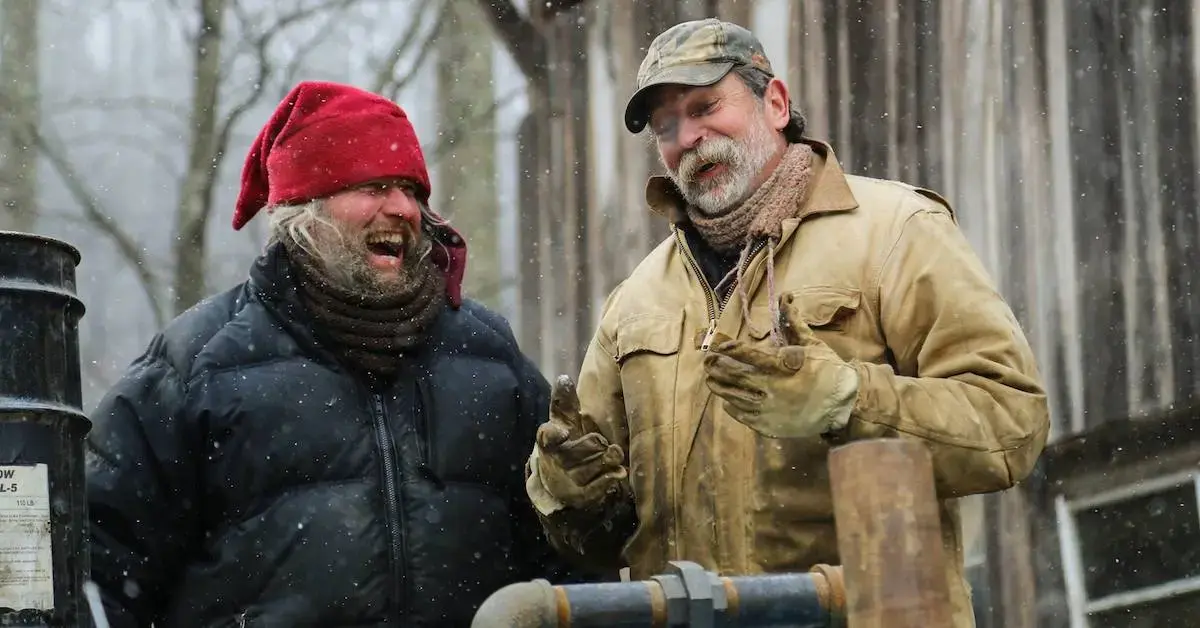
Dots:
(1064, 133)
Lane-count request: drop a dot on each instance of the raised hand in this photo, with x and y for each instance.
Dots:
(800, 389)
(576, 463)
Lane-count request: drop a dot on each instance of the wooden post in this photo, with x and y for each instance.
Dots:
(889, 535)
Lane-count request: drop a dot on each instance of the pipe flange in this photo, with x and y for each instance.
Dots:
(705, 593)
(676, 596)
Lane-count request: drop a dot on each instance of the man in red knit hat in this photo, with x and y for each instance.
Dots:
(330, 443)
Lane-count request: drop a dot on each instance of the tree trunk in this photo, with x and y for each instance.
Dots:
(466, 191)
(195, 197)
(19, 101)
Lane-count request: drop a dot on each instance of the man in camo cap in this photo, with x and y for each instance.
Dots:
(793, 308)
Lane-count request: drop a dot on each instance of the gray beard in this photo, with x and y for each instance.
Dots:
(743, 158)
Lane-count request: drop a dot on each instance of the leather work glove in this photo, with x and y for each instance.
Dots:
(572, 465)
(800, 389)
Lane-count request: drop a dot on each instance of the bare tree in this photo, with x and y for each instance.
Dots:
(468, 189)
(226, 33)
(18, 125)
(522, 37)
(241, 54)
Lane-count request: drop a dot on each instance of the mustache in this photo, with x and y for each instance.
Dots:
(717, 150)
(410, 237)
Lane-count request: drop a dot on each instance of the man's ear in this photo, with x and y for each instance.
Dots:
(778, 104)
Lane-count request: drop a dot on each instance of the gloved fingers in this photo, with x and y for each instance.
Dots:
(573, 453)
(742, 409)
(792, 357)
(791, 322)
(565, 408)
(556, 434)
(564, 405)
(564, 487)
(741, 412)
(730, 371)
(754, 354)
(596, 491)
(614, 456)
(601, 464)
(552, 434)
(559, 485)
(585, 458)
(744, 397)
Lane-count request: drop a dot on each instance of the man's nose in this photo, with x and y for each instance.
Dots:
(691, 132)
(402, 202)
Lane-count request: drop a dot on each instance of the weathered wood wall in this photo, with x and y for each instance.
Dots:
(1065, 132)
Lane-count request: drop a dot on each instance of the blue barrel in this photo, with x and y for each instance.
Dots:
(43, 507)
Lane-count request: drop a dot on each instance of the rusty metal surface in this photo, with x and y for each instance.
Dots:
(831, 589)
(889, 535)
(686, 595)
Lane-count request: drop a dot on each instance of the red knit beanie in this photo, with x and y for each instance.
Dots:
(325, 137)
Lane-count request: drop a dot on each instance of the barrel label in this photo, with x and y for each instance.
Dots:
(26, 570)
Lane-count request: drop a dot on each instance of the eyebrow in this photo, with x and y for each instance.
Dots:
(696, 96)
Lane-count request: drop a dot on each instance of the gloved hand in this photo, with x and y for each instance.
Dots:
(572, 465)
(800, 389)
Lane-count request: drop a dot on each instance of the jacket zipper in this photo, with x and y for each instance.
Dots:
(714, 305)
(426, 437)
(391, 498)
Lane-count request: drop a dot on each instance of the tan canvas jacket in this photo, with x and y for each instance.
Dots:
(885, 277)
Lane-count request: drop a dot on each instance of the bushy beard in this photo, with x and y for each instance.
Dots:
(743, 158)
(340, 252)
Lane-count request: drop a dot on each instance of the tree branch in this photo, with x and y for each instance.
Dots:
(136, 103)
(210, 139)
(385, 82)
(260, 46)
(292, 70)
(524, 41)
(456, 133)
(95, 215)
(110, 140)
(395, 86)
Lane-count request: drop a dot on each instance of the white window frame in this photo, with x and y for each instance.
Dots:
(1077, 598)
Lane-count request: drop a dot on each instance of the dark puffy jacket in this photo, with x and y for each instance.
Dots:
(237, 476)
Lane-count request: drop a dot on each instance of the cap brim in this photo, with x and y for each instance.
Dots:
(637, 115)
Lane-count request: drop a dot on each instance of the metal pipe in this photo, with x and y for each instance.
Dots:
(889, 534)
(43, 508)
(685, 596)
(519, 605)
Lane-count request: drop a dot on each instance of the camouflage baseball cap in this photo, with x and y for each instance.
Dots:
(696, 53)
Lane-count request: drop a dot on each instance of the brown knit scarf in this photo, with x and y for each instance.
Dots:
(371, 332)
(760, 217)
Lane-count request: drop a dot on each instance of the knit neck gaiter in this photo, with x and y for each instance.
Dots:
(760, 218)
(761, 215)
(371, 333)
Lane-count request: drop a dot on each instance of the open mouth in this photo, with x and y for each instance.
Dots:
(386, 244)
(707, 169)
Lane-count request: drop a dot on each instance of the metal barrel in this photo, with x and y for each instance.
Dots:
(44, 558)
(686, 595)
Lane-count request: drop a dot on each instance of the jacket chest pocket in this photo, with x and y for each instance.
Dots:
(647, 353)
(834, 314)
(826, 308)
